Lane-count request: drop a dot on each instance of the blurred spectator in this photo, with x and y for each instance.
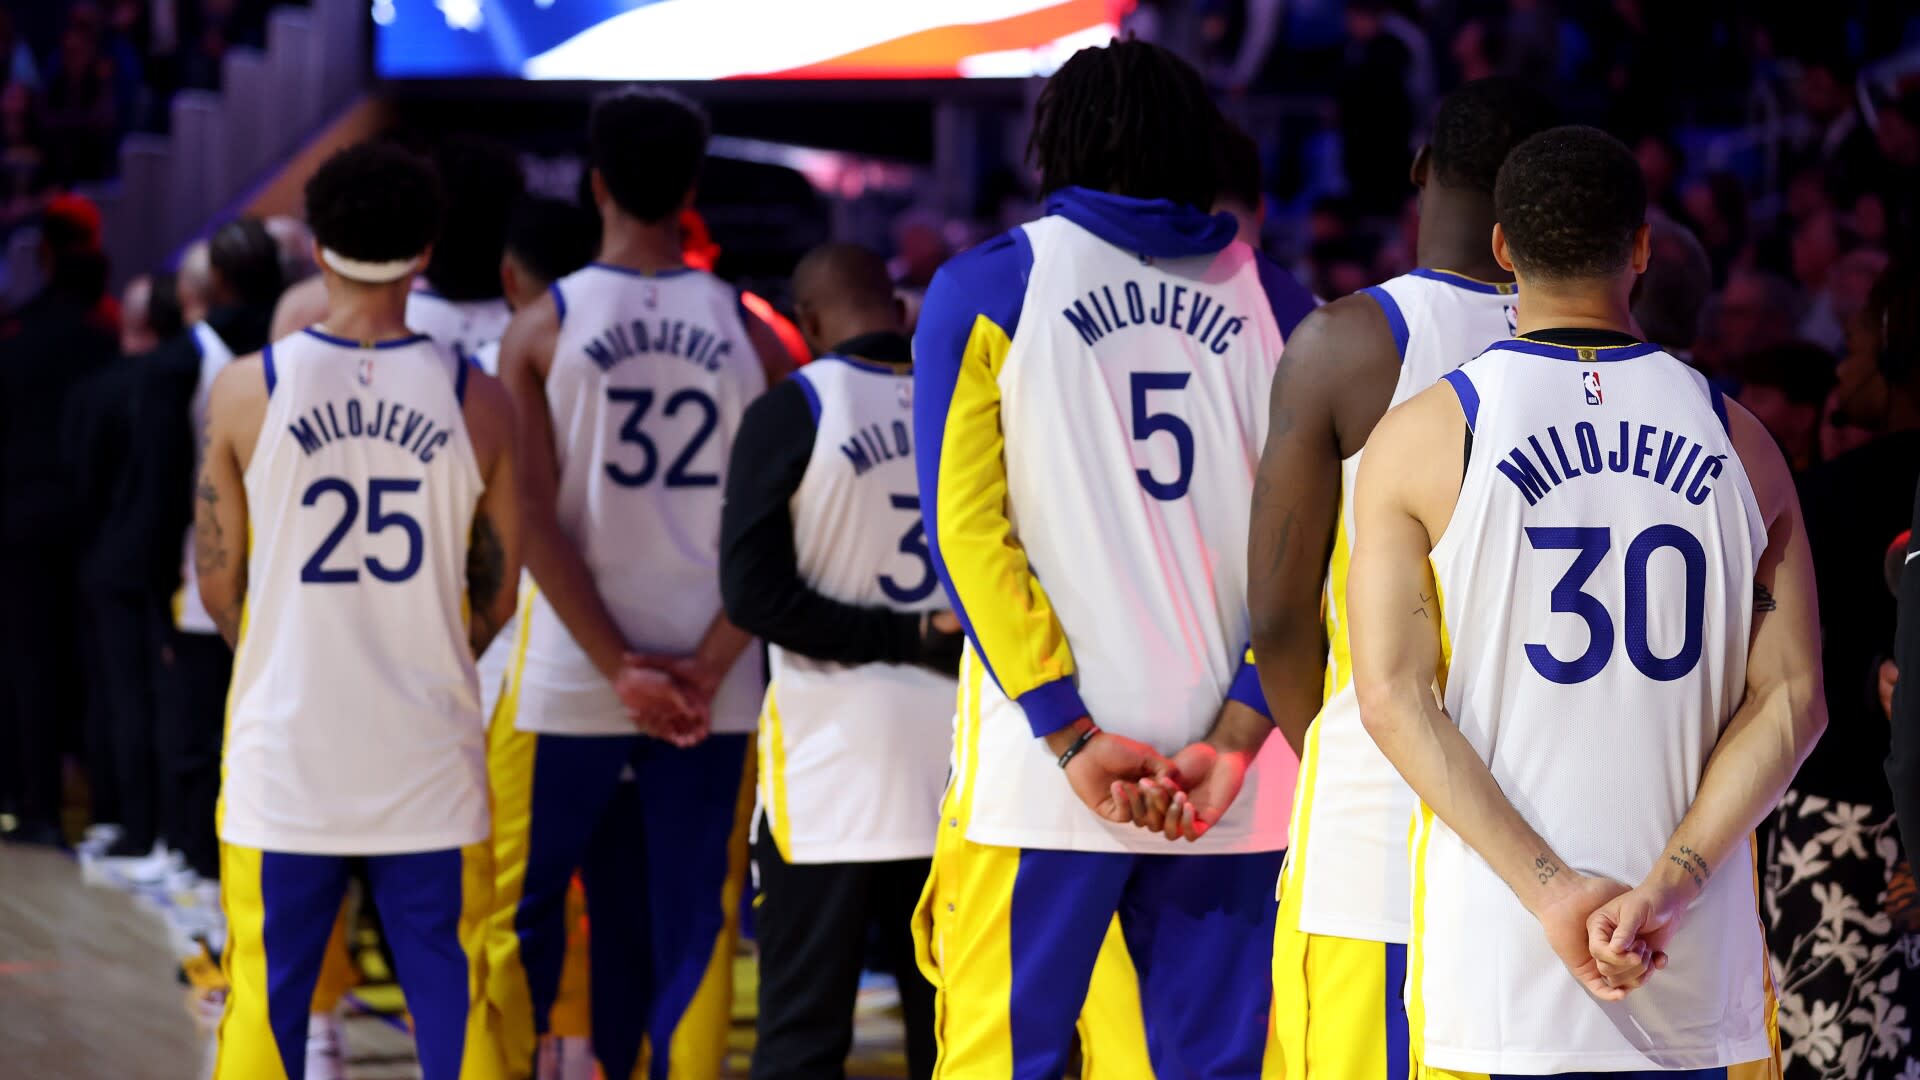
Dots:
(14, 53)
(149, 313)
(1669, 297)
(1241, 192)
(296, 247)
(195, 282)
(205, 45)
(47, 348)
(1376, 111)
(920, 244)
(1814, 249)
(1716, 207)
(81, 113)
(1785, 388)
(1834, 845)
(1662, 162)
(1479, 49)
(1758, 310)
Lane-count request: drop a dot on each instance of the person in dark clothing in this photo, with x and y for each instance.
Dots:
(1376, 113)
(49, 347)
(191, 663)
(812, 560)
(1843, 963)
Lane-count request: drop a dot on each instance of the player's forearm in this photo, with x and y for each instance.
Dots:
(1442, 768)
(721, 646)
(1240, 729)
(1756, 758)
(569, 587)
(1293, 671)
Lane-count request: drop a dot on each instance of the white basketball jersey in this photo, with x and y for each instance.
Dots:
(1138, 428)
(1351, 810)
(467, 326)
(189, 614)
(473, 328)
(651, 374)
(354, 724)
(853, 759)
(1596, 585)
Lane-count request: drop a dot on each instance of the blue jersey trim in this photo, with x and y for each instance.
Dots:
(559, 303)
(1586, 354)
(1462, 281)
(670, 272)
(1396, 321)
(813, 394)
(1463, 388)
(1052, 706)
(266, 365)
(1246, 689)
(348, 343)
(1289, 300)
(462, 365)
(1720, 408)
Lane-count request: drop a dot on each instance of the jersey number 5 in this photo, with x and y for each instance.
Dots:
(1146, 423)
(1568, 597)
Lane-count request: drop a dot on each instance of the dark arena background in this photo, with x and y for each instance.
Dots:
(1779, 142)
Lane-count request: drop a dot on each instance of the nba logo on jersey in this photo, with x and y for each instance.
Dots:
(366, 371)
(1590, 381)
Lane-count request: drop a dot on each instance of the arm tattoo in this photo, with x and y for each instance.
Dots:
(209, 539)
(1544, 868)
(1763, 598)
(1690, 861)
(486, 575)
(1271, 543)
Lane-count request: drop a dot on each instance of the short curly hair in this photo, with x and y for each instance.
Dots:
(648, 146)
(376, 202)
(1479, 124)
(1569, 201)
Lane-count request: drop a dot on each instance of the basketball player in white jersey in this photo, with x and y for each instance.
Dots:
(1340, 940)
(1599, 563)
(629, 378)
(1087, 415)
(356, 538)
(459, 300)
(824, 557)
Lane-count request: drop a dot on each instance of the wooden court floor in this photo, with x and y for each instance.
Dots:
(88, 989)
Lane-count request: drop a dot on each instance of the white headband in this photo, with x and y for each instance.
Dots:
(368, 273)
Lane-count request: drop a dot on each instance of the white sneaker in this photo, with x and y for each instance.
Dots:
(326, 1047)
(97, 839)
(144, 871)
(568, 1058)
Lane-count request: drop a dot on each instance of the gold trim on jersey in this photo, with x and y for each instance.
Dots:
(773, 735)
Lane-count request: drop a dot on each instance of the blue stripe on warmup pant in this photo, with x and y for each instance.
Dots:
(1062, 904)
(420, 897)
(574, 777)
(1199, 928)
(300, 895)
(1399, 1054)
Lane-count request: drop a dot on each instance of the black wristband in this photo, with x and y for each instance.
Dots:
(1079, 744)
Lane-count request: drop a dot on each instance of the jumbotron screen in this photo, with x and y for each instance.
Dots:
(663, 40)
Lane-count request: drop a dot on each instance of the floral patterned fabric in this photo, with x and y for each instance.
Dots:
(1848, 978)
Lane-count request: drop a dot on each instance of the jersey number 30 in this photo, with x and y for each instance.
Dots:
(379, 519)
(1568, 597)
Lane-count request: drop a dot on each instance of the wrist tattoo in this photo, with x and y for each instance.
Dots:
(1695, 866)
(1544, 869)
(1763, 598)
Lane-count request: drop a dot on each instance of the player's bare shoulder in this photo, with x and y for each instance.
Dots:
(530, 337)
(1418, 450)
(1340, 363)
(1766, 467)
(237, 406)
(488, 412)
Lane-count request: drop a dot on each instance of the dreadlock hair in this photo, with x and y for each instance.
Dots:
(1132, 119)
